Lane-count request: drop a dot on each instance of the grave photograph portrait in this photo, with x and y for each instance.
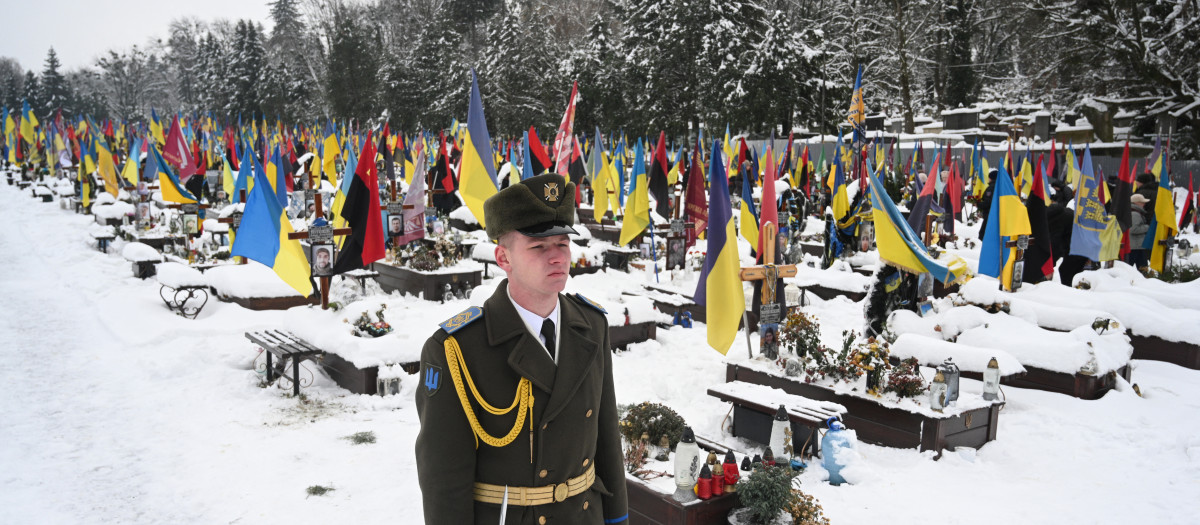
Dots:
(395, 225)
(322, 260)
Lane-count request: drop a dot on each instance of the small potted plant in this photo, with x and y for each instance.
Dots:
(765, 495)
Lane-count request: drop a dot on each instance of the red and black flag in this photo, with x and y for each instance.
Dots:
(361, 212)
(538, 158)
(658, 177)
(1123, 192)
(1039, 257)
(389, 165)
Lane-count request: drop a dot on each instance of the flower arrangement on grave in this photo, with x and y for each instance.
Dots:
(905, 379)
(766, 493)
(1103, 324)
(364, 327)
(805, 510)
(871, 358)
(654, 420)
(800, 334)
(836, 364)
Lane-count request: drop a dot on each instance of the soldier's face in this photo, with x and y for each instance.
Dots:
(539, 265)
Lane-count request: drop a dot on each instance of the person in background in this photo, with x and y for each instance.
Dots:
(1137, 231)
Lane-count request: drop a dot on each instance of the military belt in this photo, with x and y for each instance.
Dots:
(532, 496)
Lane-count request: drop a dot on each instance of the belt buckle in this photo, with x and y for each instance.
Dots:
(560, 492)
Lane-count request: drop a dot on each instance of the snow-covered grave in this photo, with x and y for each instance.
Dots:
(254, 286)
(1082, 362)
(1157, 331)
(838, 279)
(143, 258)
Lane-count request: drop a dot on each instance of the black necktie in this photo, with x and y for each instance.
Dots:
(548, 333)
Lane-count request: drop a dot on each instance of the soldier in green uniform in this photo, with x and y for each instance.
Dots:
(517, 396)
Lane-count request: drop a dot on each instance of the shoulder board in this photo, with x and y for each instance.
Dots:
(590, 303)
(462, 319)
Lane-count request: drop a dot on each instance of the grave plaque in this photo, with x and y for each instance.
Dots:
(320, 234)
(395, 208)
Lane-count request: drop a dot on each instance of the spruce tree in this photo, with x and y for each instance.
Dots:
(352, 82)
(54, 90)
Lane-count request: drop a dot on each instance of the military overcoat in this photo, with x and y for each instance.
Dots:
(574, 417)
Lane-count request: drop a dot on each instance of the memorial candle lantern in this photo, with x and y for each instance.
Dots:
(704, 483)
(950, 373)
(937, 392)
(730, 468)
(779, 430)
(991, 381)
(687, 460)
(718, 479)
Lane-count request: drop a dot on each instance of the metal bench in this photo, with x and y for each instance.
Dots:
(178, 299)
(285, 346)
(102, 241)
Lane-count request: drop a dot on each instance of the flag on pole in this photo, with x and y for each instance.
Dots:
(361, 213)
(720, 288)
(658, 178)
(477, 176)
(1010, 220)
(172, 190)
(563, 139)
(637, 213)
(414, 204)
(1090, 217)
(769, 212)
(696, 206)
(900, 246)
(858, 109)
(1164, 213)
(263, 237)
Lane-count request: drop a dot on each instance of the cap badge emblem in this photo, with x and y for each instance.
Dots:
(552, 192)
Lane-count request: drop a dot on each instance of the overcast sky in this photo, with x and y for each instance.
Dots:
(80, 30)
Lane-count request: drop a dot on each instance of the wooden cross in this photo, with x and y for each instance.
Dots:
(678, 234)
(769, 310)
(323, 281)
(234, 220)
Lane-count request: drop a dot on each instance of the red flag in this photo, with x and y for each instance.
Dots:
(563, 139)
(696, 203)
(177, 152)
(1188, 205)
(768, 210)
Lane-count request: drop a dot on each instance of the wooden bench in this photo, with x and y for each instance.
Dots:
(754, 408)
(284, 345)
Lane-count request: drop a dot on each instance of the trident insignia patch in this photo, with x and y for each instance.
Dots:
(432, 379)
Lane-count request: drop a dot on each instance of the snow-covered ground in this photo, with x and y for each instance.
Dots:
(117, 411)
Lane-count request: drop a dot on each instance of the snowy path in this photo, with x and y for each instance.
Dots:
(116, 411)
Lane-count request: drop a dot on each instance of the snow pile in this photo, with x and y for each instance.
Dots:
(1126, 279)
(464, 214)
(42, 190)
(838, 276)
(177, 275)
(138, 252)
(114, 210)
(932, 351)
(248, 281)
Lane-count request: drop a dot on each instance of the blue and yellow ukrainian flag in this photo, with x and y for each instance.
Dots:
(748, 218)
(898, 243)
(168, 183)
(1010, 219)
(637, 212)
(720, 288)
(477, 176)
(263, 237)
(1164, 213)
